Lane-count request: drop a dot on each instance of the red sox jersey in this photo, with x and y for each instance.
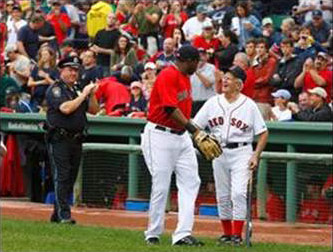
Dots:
(236, 122)
(171, 89)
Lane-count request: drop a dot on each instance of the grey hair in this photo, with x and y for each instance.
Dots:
(243, 57)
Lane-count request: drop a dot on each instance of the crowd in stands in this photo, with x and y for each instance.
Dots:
(285, 50)
(284, 46)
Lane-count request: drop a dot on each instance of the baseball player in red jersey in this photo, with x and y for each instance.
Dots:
(167, 148)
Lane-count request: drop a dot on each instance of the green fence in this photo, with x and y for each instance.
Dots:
(109, 161)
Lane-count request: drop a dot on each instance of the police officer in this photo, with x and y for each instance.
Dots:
(66, 123)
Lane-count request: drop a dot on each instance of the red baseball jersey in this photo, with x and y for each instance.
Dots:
(171, 89)
(309, 83)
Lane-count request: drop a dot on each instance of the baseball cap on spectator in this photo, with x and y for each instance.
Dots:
(282, 93)
(317, 13)
(136, 84)
(10, 48)
(207, 24)
(318, 91)
(266, 21)
(237, 72)
(202, 9)
(323, 55)
(74, 62)
(150, 65)
(16, 7)
(187, 52)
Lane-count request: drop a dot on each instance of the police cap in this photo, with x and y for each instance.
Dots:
(74, 62)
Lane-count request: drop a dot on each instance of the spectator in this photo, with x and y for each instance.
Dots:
(6, 83)
(263, 67)
(319, 111)
(207, 40)
(179, 38)
(27, 37)
(250, 49)
(146, 16)
(190, 7)
(126, 76)
(221, 13)
(97, 17)
(166, 57)
(288, 69)
(245, 25)
(202, 81)
(280, 111)
(268, 31)
(306, 46)
(316, 74)
(14, 24)
(123, 54)
(19, 67)
(148, 78)
(60, 21)
(319, 28)
(242, 61)
(314, 208)
(81, 35)
(175, 19)
(306, 8)
(73, 14)
(47, 34)
(194, 26)
(90, 72)
(226, 52)
(105, 40)
(304, 101)
(42, 76)
(138, 102)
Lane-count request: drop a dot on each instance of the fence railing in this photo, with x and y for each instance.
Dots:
(290, 158)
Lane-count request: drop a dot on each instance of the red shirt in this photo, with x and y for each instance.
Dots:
(171, 89)
(248, 87)
(55, 21)
(171, 23)
(112, 92)
(314, 211)
(275, 208)
(201, 42)
(309, 83)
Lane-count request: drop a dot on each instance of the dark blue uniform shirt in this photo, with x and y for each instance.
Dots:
(56, 95)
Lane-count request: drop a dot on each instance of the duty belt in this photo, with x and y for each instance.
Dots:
(177, 132)
(68, 134)
(235, 145)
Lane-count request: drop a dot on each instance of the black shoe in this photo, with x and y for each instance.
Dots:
(189, 241)
(153, 241)
(224, 239)
(236, 240)
(68, 221)
(54, 218)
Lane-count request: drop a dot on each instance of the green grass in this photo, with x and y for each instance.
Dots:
(41, 236)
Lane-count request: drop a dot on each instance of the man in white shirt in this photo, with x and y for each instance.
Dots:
(14, 24)
(202, 82)
(306, 7)
(193, 26)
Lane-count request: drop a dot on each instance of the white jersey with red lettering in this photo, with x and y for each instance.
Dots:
(235, 125)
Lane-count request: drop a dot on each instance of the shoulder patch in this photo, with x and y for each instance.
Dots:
(56, 91)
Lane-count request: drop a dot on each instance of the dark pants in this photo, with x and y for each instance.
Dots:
(65, 157)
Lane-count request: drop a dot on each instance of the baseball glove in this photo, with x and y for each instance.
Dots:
(208, 145)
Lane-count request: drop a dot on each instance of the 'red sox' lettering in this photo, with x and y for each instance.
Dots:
(216, 121)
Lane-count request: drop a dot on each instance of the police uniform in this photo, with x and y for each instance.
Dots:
(64, 141)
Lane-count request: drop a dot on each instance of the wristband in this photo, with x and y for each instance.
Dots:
(190, 127)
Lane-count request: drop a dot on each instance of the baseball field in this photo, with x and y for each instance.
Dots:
(25, 227)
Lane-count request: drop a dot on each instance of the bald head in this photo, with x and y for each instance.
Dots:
(168, 46)
(241, 60)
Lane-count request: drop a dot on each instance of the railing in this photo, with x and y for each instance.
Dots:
(291, 159)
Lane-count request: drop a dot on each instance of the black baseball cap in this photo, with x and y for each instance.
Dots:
(317, 13)
(187, 52)
(237, 72)
(74, 62)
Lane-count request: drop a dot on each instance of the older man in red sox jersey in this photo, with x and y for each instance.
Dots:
(234, 119)
(168, 148)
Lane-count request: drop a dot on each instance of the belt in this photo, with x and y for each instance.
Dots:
(68, 134)
(176, 132)
(235, 145)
